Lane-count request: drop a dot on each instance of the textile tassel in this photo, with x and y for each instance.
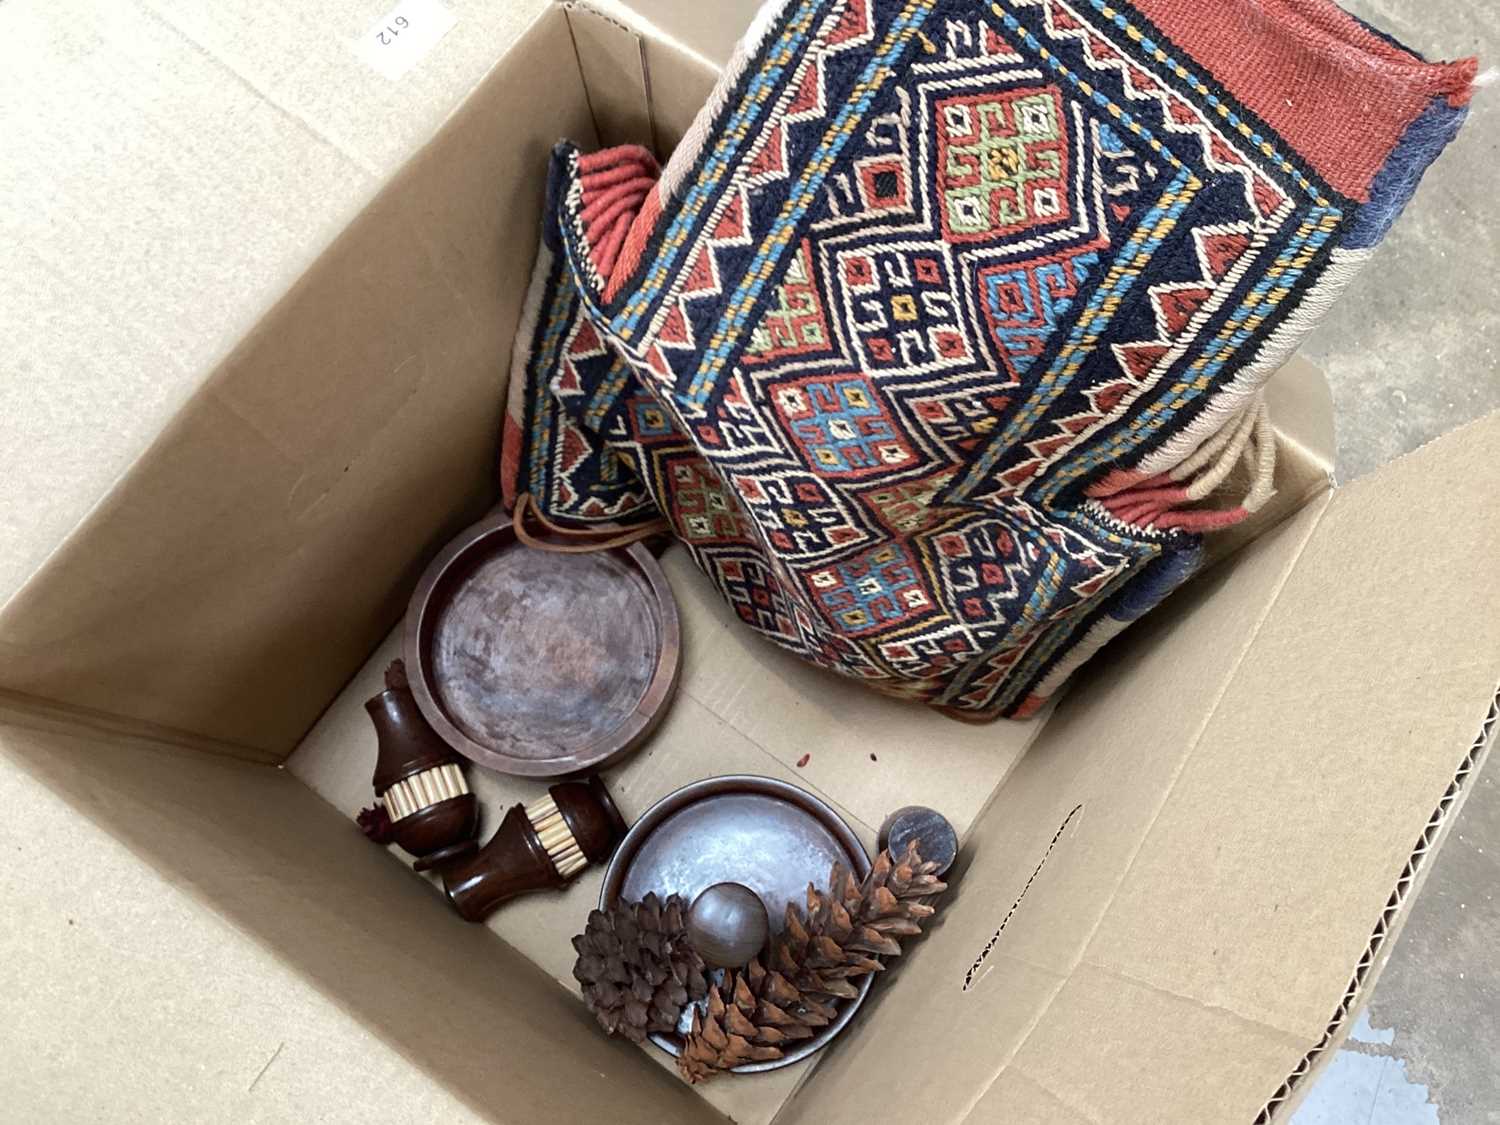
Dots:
(612, 190)
(1163, 501)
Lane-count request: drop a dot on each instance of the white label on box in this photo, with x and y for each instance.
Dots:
(409, 30)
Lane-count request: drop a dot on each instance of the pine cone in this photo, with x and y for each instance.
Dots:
(637, 968)
(852, 925)
(845, 932)
(751, 1013)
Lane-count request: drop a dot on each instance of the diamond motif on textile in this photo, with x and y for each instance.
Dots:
(902, 310)
(876, 590)
(1025, 302)
(794, 324)
(841, 427)
(1002, 163)
(702, 510)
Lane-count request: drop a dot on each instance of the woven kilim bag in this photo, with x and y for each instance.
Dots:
(938, 337)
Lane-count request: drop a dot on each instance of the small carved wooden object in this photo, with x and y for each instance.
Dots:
(538, 846)
(419, 779)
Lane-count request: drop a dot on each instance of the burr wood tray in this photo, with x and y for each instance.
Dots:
(537, 663)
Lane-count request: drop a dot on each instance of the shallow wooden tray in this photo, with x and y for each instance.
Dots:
(769, 835)
(541, 664)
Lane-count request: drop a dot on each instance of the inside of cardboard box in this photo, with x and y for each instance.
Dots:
(1222, 764)
(308, 459)
(1063, 927)
(761, 711)
(742, 707)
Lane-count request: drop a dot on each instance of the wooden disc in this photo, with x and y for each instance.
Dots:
(937, 842)
(541, 664)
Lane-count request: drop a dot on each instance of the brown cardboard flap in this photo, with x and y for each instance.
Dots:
(275, 862)
(708, 30)
(170, 168)
(1327, 754)
(645, 87)
(1017, 1100)
(612, 59)
(680, 82)
(1042, 863)
(1283, 1104)
(124, 998)
(27, 712)
(1209, 830)
(1117, 1050)
(248, 563)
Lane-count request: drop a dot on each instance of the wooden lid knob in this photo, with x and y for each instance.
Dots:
(728, 925)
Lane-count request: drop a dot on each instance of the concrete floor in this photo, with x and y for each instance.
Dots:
(1412, 351)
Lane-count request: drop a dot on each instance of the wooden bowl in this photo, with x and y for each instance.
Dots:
(541, 664)
(766, 834)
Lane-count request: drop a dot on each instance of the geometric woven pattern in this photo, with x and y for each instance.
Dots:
(936, 344)
(1002, 162)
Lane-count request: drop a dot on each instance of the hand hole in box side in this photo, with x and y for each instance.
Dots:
(1009, 914)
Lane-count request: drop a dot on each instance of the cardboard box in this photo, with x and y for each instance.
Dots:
(253, 382)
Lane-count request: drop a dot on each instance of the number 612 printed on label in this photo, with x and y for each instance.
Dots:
(399, 40)
(386, 36)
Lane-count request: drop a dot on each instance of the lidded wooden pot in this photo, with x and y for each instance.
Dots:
(420, 779)
(538, 846)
